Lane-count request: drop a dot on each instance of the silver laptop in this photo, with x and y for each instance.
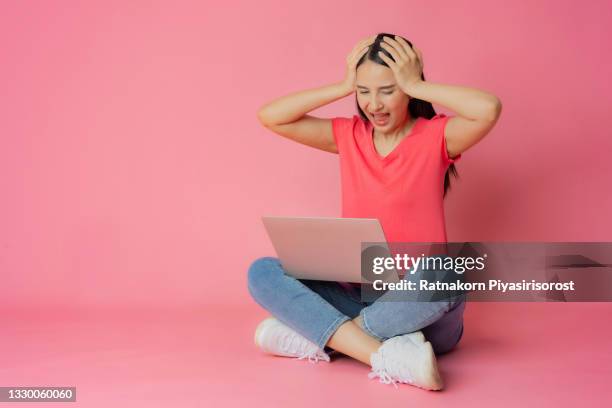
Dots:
(321, 248)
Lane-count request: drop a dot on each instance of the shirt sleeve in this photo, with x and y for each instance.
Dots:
(439, 122)
(342, 129)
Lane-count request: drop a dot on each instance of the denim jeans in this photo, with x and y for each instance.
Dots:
(316, 309)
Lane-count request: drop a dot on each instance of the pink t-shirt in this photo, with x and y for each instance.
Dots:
(403, 190)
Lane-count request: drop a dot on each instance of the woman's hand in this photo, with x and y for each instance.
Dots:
(351, 63)
(408, 64)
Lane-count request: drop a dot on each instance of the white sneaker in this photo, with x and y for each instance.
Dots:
(416, 337)
(401, 360)
(274, 337)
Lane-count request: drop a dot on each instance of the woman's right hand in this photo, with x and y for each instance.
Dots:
(351, 62)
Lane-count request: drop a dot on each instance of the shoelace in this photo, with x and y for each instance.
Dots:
(383, 376)
(289, 339)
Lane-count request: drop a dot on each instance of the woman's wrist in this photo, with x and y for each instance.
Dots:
(413, 89)
(343, 88)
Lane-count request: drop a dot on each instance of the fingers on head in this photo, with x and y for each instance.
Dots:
(397, 55)
(390, 62)
(402, 46)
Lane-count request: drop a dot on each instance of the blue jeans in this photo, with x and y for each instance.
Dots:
(316, 309)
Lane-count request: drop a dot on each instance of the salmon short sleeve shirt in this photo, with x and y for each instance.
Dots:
(403, 190)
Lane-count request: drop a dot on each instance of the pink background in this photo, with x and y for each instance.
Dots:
(134, 172)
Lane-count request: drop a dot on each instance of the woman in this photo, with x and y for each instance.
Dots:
(395, 159)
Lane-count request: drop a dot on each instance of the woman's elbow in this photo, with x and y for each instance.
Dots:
(494, 109)
(261, 116)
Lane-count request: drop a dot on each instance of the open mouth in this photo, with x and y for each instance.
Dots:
(380, 119)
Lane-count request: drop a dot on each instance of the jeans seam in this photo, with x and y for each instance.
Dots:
(330, 330)
(366, 327)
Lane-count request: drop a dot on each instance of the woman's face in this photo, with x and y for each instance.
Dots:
(379, 97)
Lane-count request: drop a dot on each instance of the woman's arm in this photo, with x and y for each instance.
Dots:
(288, 109)
(478, 110)
(287, 116)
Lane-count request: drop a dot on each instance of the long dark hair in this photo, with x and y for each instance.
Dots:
(416, 107)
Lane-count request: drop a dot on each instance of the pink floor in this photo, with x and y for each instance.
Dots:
(531, 354)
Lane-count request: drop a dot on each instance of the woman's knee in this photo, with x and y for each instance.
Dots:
(392, 318)
(261, 272)
(443, 342)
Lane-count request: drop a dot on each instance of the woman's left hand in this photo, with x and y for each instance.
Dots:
(408, 64)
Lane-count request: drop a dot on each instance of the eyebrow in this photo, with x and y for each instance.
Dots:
(382, 87)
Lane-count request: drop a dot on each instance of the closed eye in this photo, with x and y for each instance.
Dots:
(385, 93)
